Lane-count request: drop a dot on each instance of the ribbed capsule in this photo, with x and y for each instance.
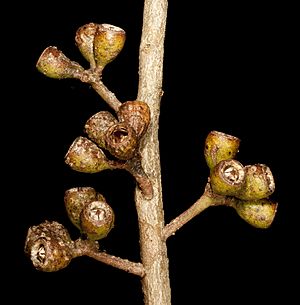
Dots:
(86, 157)
(49, 246)
(76, 198)
(220, 146)
(108, 43)
(227, 177)
(136, 114)
(121, 141)
(84, 39)
(53, 63)
(97, 125)
(97, 219)
(259, 182)
(258, 213)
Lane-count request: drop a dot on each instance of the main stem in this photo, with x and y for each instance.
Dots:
(156, 282)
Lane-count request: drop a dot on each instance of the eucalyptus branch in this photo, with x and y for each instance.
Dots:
(131, 139)
(89, 248)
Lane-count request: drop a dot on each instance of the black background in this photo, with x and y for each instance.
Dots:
(225, 69)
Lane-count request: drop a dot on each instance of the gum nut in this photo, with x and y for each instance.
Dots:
(86, 157)
(97, 219)
(220, 146)
(108, 43)
(121, 141)
(259, 182)
(49, 246)
(136, 114)
(258, 213)
(227, 177)
(97, 125)
(53, 63)
(75, 199)
(84, 39)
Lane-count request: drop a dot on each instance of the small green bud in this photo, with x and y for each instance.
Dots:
(49, 246)
(76, 198)
(121, 141)
(84, 39)
(108, 43)
(136, 114)
(53, 63)
(220, 146)
(258, 213)
(86, 157)
(227, 177)
(259, 182)
(97, 125)
(97, 219)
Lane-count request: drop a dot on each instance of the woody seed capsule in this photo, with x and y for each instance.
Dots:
(121, 141)
(259, 182)
(220, 146)
(86, 157)
(97, 219)
(97, 125)
(76, 198)
(136, 114)
(108, 43)
(49, 246)
(227, 177)
(258, 213)
(53, 63)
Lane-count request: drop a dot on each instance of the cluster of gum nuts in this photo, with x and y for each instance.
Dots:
(249, 186)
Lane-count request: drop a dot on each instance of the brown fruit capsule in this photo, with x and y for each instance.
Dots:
(53, 63)
(76, 198)
(220, 146)
(49, 246)
(97, 219)
(136, 114)
(227, 178)
(97, 125)
(108, 43)
(86, 157)
(258, 213)
(121, 141)
(259, 182)
(84, 39)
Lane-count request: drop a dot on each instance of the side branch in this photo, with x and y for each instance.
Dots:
(93, 78)
(89, 248)
(206, 200)
(107, 95)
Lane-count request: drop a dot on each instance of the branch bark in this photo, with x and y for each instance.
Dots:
(156, 282)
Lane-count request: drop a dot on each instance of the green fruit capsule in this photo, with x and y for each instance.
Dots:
(97, 125)
(97, 219)
(53, 63)
(84, 39)
(259, 182)
(220, 146)
(108, 43)
(258, 213)
(227, 178)
(86, 157)
(76, 198)
(49, 246)
(121, 141)
(136, 114)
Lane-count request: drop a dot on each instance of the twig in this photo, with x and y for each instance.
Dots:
(89, 248)
(93, 77)
(206, 200)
